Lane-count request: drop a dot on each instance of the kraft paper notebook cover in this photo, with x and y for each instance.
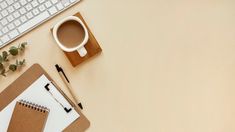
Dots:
(24, 81)
(28, 117)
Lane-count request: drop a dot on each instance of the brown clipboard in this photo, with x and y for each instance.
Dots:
(24, 81)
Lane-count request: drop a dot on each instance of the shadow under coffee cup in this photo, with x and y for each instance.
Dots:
(71, 34)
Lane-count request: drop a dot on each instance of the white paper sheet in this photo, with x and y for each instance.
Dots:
(57, 120)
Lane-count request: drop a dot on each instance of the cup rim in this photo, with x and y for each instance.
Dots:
(56, 27)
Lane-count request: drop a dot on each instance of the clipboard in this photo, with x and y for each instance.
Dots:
(24, 81)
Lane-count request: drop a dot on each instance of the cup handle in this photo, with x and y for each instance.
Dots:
(82, 51)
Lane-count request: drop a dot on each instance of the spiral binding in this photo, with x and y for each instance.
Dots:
(33, 106)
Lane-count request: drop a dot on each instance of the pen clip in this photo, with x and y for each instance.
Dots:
(59, 69)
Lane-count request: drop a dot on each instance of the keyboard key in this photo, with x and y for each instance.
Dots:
(3, 5)
(4, 21)
(4, 13)
(36, 20)
(16, 14)
(11, 26)
(17, 22)
(9, 2)
(41, 1)
(5, 30)
(34, 3)
(23, 19)
(48, 4)
(10, 9)
(42, 8)
(22, 11)
(13, 34)
(29, 15)
(23, 2)
(52, 10)
(35, 12)
(5, 38)
(59, 6)
(28, 7)
(54, 1)
(16, 6)
(10, 18)
(66, 4)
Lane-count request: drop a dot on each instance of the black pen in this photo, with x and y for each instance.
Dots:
(66, 81)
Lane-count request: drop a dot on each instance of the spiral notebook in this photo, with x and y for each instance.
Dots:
(28, 116)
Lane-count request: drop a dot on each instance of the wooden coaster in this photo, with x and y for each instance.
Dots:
(93, 48)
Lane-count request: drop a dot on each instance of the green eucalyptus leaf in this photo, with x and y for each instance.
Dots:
(4, 55)
(24, 44)
(13, 67)
(1, 66)
(13, 51)
(3, 72)
(1, 59)
(17, 62)
(22, 62)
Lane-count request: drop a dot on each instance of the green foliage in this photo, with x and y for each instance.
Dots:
(4, 58)
(13, 51)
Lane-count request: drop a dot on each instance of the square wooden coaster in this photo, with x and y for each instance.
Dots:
(93, 48)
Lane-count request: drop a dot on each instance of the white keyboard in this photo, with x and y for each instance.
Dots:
(18, 17)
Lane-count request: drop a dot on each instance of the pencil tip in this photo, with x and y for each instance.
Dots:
(80, 105)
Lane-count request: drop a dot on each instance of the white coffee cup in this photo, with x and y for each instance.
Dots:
(80, 46)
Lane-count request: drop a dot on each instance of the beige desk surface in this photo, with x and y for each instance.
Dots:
(167, 66)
